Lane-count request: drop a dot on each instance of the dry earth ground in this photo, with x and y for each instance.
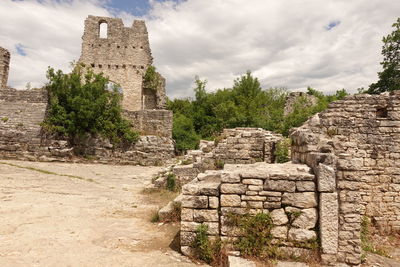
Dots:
(97, 216)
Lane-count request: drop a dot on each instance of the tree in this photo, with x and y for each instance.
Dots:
(389, 78)
(184, 134)
(80, 106)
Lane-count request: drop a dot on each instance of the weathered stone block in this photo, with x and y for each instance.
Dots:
(280, 232)
(328, 222)
(187, 214)
(305, 186)
(205, 216)
(187, 238)
(252, 181)
(230, 200)
(326, 178)
(233, 188)
(300, 200)
(213, 202)
(280, 185)
(307, 219)
(199, 202)
(301, 235)
(279, 217)
(230, 177)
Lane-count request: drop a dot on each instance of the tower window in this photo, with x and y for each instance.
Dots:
(103, 30)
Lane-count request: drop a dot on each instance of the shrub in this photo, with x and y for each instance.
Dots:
(205, 249)
(184, 133)
(80, 106)
(219, 164)
(282, 150)
(171, 182)
(256, 237)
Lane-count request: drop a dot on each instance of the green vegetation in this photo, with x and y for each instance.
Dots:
(204, 248)
(219, 164)
(282, 150)
(389, 77)
(171, 182)
(256, 235)
(155, 217)
(80, 106)
(367, 243)
(151, 79)
(246, 104)
(4, 119)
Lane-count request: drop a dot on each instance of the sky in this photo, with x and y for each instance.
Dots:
(328, 45)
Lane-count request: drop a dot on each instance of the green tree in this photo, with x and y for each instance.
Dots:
(389, 77)
(80, 106)
(184, 134)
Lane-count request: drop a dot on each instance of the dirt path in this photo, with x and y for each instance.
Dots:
(95, 216)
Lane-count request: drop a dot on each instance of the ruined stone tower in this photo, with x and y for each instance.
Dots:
(123, 55)
(4, 66)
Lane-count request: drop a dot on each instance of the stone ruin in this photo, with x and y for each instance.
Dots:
(123, 56)
(345, 165)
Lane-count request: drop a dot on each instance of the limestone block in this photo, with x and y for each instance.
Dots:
(205, 215)
(270, 193)
(300, 200)
(207, 188)
(188, 251)
(187, 238)
(280, 232)
(255, 204)
(326, 178)
(230, 200)
(279, 217)
(233, 188)
(301, 235)
(255, 187)
(328, 222)
(253, 198)
(213, 227)
(280, 185)
(213, 202)
(240, 262)
(252, 181)
(187, 214)
(307, 219)
(230, 177)
(305, 186)
(199, 202)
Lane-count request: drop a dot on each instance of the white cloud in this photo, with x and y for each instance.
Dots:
(285, 43)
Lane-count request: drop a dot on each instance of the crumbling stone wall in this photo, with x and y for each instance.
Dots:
(353, 147)
(294, 97)
(151, 122)
(285, 191)
(123, 55)
(4, 66)
(21, 136)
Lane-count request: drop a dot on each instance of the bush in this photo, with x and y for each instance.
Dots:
(80, 106)
(171, 182)
(184, 134)
(282, 150)
(205, 249)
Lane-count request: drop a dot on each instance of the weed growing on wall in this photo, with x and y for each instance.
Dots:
(282, 150)
(171, 182)
(205, 249)
(366, 240)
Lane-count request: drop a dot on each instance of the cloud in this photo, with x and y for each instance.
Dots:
(328, 45)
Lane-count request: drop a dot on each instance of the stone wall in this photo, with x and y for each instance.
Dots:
(354, 149)
(151, 122)
(123, 55)
(21, 113)
(302, 98)
(246, 146)
(4, 66)
(285, 191)
(21, 137)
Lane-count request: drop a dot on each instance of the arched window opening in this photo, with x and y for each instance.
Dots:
(103, 31)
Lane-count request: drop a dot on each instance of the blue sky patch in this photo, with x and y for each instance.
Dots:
(135, 7)
(332, 25)
(20, 49)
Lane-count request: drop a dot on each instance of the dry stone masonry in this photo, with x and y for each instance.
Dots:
(4, 66)
(354, 149)
(285, 191)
